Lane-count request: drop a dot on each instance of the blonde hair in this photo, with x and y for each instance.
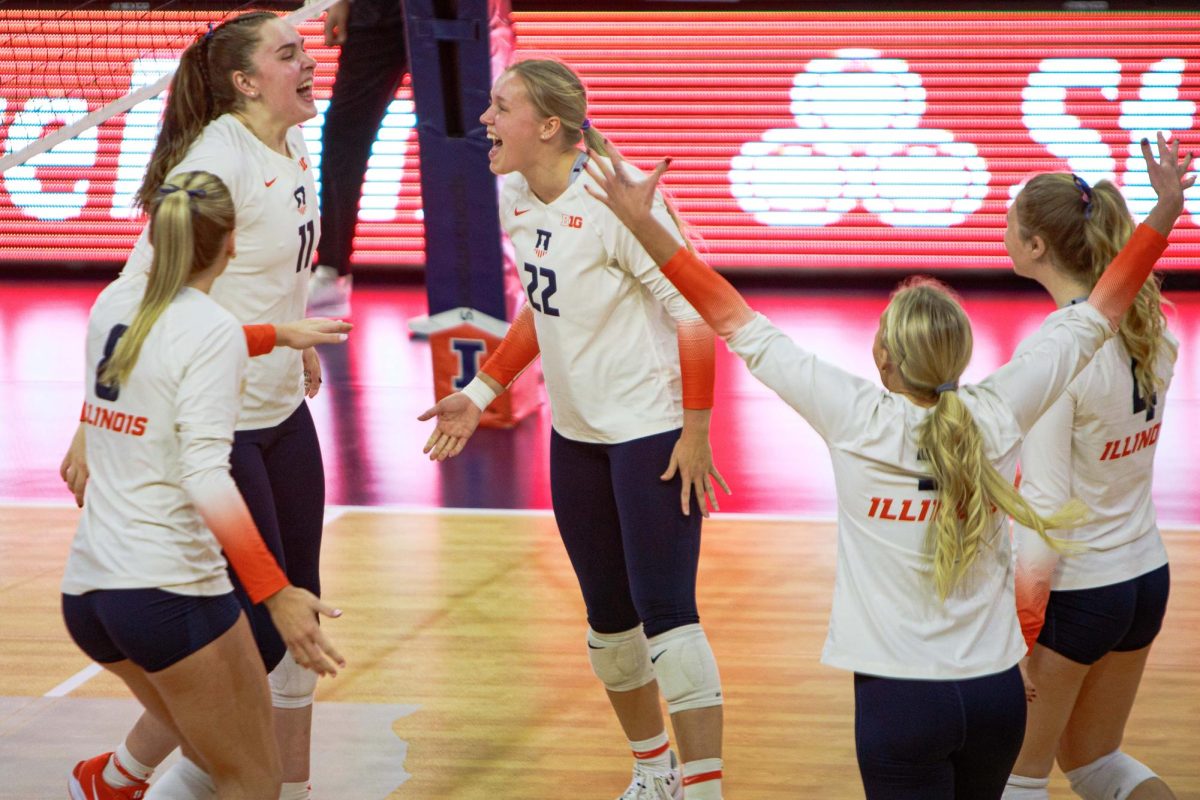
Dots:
(555, 90)
(928, 338)
(190, 217)
(1084, 230)
(202, 90)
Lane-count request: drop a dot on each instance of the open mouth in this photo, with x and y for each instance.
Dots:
(497, 143)
(305, 91)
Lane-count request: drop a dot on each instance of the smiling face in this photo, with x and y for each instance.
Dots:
(282, 79)
(517, 131)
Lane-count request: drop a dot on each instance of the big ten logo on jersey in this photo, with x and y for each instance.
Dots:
(571, 221)
(301, 200)
(542, 244)
(470, 354)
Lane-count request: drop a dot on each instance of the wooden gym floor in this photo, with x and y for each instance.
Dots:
(468, 677)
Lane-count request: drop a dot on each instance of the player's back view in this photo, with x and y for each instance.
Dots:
(146, 592)
(1101, 607)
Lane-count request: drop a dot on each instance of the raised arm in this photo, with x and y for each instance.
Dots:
(829, 398)
(1055, 355)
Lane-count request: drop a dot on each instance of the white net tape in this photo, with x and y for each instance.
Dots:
(128, 101)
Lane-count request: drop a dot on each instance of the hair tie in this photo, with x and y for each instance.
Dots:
(587, 123)
(208, 34)
(948, 386)
(1085, 195)
(170, 188)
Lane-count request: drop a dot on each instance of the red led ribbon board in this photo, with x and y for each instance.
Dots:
(838, 141)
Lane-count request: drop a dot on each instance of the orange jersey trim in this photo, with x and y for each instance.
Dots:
(517, 350)
(1117, 287)
(710, 294)
(697, 363)
(260, 339)
(228, 518)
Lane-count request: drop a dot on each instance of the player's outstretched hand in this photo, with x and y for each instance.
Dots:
(1169, 177)
(294, 612)
(304, 333)
(457, 419)
(623, 189)
(73, 469)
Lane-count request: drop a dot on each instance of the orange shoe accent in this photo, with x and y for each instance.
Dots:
(87, 782)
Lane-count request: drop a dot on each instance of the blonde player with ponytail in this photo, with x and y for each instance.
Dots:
(923, 609)
(146, 592)
(1103, 607)
(628, 366)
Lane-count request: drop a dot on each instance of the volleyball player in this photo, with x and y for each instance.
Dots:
(235, 103)
(923, 608)
(628, 367)
(146, 592)
(1102, 607)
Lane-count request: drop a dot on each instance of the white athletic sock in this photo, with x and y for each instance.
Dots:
(702, 779)
(1020, 787)
(123, 769)
(184, 781)
(653, 753)
(296, 791)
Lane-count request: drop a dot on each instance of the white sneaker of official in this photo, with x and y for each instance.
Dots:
(329, 293)
(648, 784)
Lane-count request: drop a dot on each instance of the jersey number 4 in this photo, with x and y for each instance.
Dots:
(547, 291)
(1140, 403)
(109, 391)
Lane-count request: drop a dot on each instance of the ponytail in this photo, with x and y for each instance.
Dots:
(928, 337)
(1084, 228)
(201, 90)
(190, 218)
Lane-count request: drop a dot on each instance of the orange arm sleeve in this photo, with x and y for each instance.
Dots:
(515, 352)
(710, 294)
(697, 363)
(260, 339)
(1114, 292)
(225, 513)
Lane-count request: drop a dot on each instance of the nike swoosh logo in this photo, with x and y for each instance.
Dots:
(593, 647)
(271, 182)
(518, 212)
(657, 656)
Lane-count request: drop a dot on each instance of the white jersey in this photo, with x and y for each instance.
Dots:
(887, 619)
(605, 315)
(1097, 443)
(170, 424)
(277, 231)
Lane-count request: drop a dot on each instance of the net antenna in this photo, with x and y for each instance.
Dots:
(128, 101)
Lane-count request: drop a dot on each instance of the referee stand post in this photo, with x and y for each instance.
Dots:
(450, 59)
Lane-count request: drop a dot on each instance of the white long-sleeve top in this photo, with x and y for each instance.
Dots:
(161, 503)
(887, 619)
(278, 228)
(1096, 443)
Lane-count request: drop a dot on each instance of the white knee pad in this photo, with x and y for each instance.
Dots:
(1111, 777)
(292, 686)
(1020, 787)
(620, 660)
(685, 668)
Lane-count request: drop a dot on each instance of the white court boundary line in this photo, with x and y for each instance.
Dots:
(126, 102)
(75, 681)
(335, 512)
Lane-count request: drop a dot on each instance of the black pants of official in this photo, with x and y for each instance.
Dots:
(372, 63)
